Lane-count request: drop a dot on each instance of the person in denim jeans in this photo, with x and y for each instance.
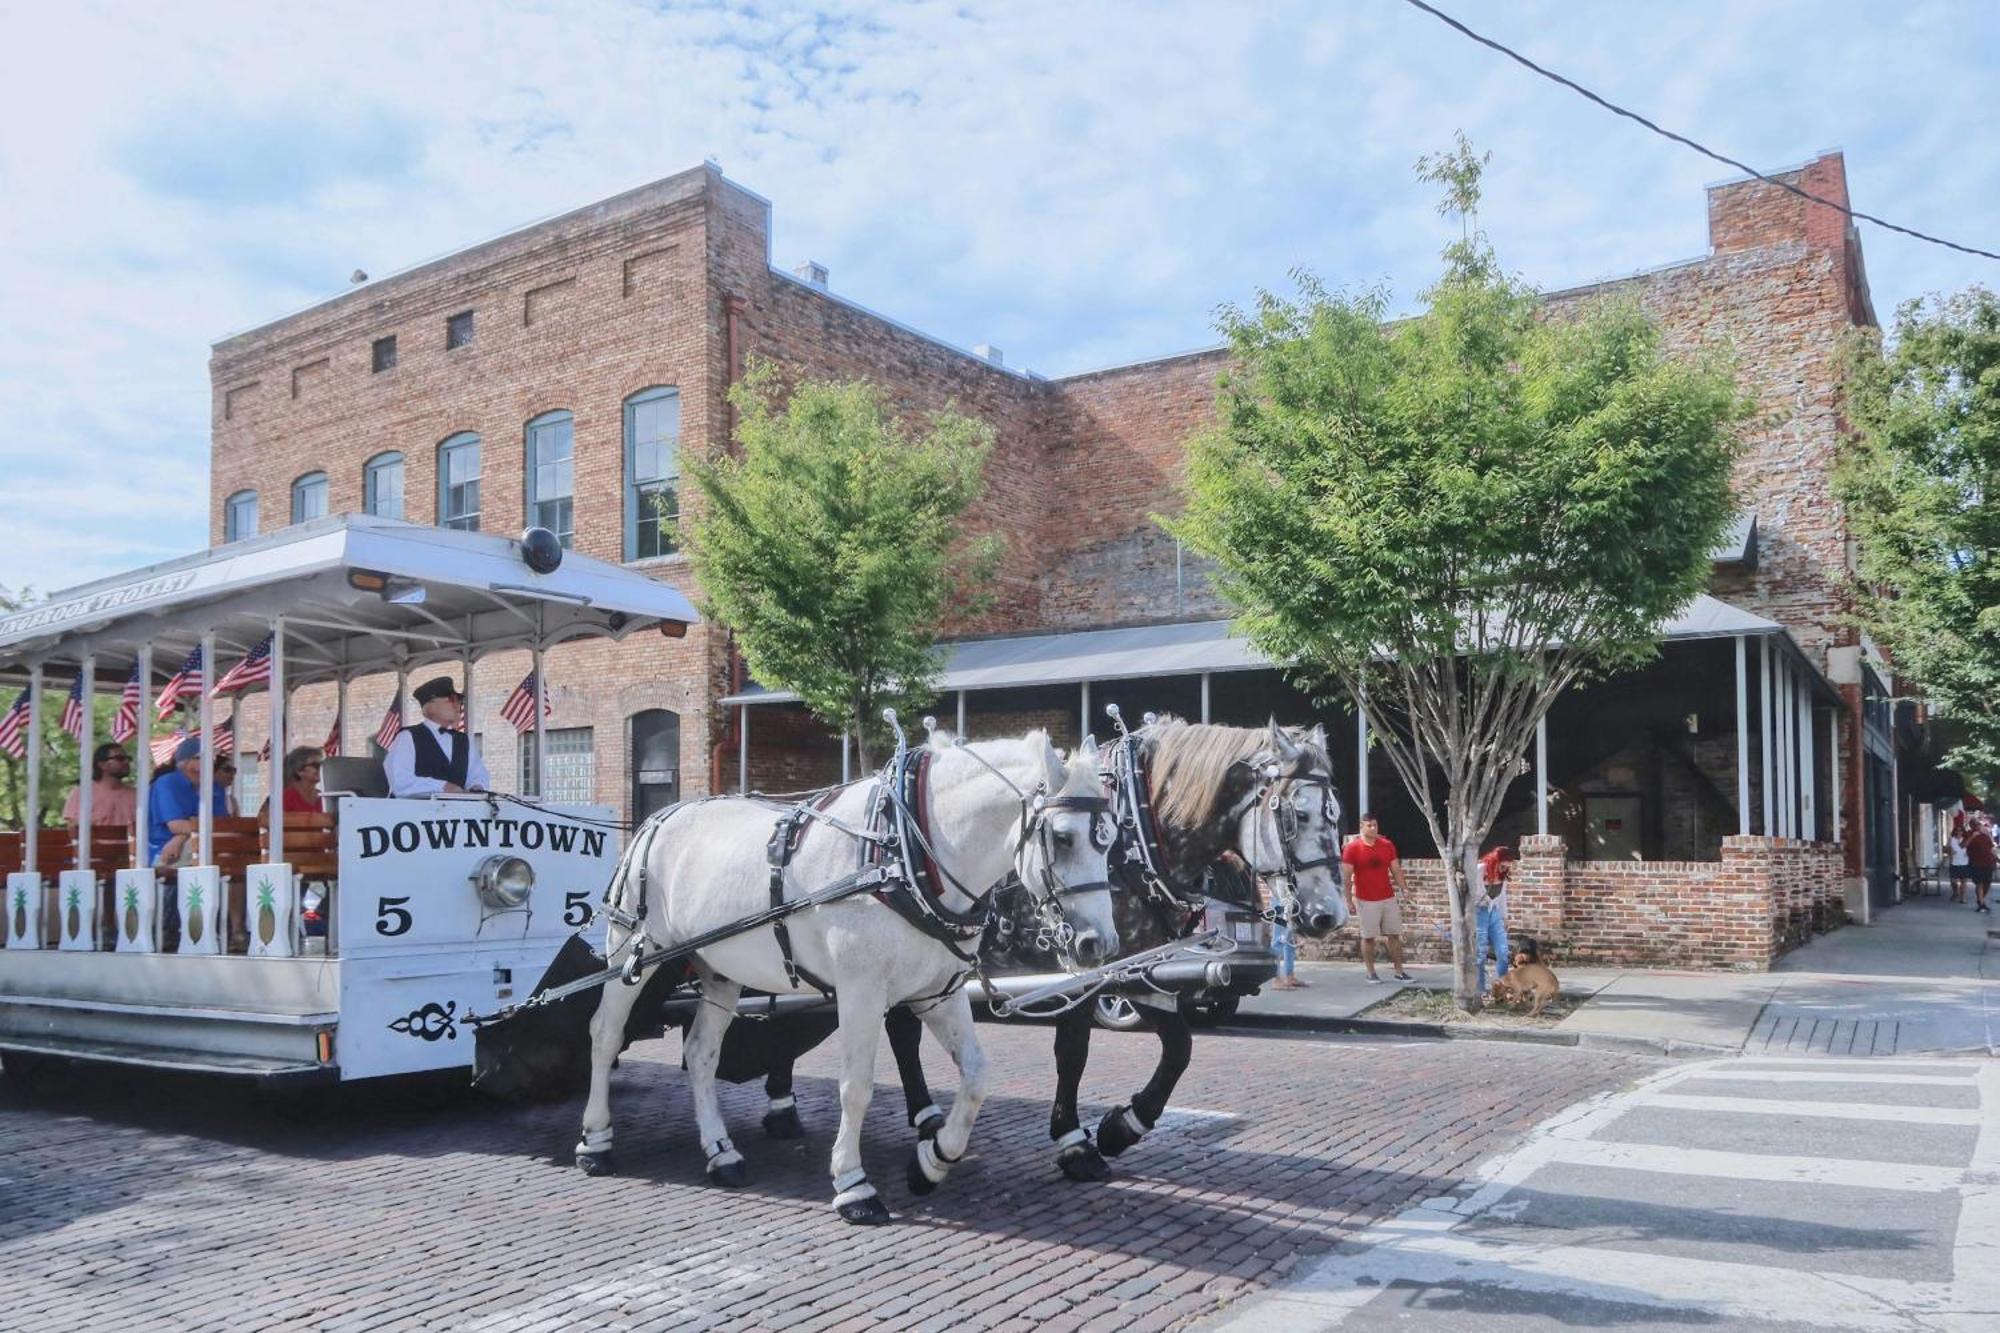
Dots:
(1490, 922)
(1284, 943)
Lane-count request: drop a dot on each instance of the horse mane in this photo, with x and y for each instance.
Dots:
(1190, 764)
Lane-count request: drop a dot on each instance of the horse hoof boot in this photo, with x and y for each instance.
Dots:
(729, 1175)
(594, 1163)
(1118, 1131)
(920, 1184)
(868, 1212)
(784, 1124)
(927, 1123)
(1084, 1163)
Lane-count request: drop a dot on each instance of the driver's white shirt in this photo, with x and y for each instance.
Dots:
(401, 763)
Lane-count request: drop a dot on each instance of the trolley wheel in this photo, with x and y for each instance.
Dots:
(1116, 1012)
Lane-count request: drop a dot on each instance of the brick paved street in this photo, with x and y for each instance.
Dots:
(128, 1203)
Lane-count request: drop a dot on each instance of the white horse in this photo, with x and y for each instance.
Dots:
(984, 807)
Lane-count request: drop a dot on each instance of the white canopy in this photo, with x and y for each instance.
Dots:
(477, 596)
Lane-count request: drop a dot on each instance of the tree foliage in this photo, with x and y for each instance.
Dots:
(1455, 517)
(1920, 480)
(832, 544)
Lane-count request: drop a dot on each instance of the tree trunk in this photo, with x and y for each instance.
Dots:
(861, 764)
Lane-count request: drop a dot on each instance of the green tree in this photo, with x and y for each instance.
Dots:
(1919, 479)
(832, 545)
(1455, 517)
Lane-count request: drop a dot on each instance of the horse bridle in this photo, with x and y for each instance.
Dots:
(1036, 808)
(1276, 794)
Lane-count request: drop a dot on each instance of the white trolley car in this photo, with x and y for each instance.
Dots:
(437, 907)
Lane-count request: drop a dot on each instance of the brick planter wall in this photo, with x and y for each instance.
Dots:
(1764, 897)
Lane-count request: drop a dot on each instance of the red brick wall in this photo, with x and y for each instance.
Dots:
(1763, 898)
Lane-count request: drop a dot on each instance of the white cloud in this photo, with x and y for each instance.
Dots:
(1082, 184)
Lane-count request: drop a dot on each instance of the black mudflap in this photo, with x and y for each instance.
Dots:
(544, 1054)
(753, 1047)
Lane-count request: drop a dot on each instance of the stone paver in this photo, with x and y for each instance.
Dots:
(162, 1205)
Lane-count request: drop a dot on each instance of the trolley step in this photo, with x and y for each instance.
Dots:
(263, 1069)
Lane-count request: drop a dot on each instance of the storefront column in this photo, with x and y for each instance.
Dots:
(1204, 696)
(1083, 726)
(743, 749)
(1808, 767)
(1742, 736)
(1542, 775)
(961, 714)
(1361, 760)
(1764, 726)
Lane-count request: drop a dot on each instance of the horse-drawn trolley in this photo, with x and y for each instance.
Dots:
(434, 908)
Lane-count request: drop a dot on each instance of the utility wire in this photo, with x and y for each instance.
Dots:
(1705, 151)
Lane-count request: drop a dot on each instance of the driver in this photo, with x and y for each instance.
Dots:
(431, 756)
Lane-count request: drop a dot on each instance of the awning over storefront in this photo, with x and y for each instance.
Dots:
(1189, 649)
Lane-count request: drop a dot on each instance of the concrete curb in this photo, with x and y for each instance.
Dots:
(1379, 1027)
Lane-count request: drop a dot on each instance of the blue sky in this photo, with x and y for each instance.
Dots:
(1079, 184)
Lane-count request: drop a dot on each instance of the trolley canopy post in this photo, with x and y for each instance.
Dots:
(85, 743)
(205, 797)
(31, 822)
(143, 763)
(273, 780)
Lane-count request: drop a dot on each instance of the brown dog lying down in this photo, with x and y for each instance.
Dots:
(1527, 981)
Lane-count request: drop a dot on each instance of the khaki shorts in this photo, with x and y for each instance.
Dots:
(1379, 918)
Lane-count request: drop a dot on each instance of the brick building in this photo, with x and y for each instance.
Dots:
(1713, 808)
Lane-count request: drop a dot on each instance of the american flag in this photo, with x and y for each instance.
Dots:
(332, 746)
(520, 706)
(186, 683)
(392, 724)
(264, 754)
(225, 737)
(126, 725)
(14, 727)
(252, 670)
(72, 717)
(164, 747)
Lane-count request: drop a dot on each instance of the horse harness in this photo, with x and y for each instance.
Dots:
(897, 845)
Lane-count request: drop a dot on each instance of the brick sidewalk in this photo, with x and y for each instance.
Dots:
(127, 1204)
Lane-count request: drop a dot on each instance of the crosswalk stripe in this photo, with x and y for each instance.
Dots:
(1909, 1115)
(1819, 1076)
(1756, 1166)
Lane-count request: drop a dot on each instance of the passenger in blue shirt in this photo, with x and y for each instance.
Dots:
(173, 813)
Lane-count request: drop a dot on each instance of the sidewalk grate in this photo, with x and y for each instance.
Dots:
(1779, 1033)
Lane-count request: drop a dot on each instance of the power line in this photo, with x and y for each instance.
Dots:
(1704, 150)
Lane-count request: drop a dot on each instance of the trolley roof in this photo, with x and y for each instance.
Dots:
(448, 594)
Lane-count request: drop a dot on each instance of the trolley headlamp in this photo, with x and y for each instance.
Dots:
(504, 882)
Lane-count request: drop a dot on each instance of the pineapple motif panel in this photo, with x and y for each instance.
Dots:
(24, 910)
(76, 908)
(273, 906)
(135, 897)
(201, 904)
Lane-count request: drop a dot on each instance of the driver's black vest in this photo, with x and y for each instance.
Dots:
(430, 756)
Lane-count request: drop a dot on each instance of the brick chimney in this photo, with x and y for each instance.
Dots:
(1752, 215)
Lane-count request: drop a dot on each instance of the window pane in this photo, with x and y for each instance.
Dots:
(652, 430)
(551, 476)
(384, 496)
(572, 769)
(239, 516)
(458, 485)
(309, 498)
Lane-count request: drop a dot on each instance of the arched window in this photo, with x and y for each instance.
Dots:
(652, 473)
(458, 482)
(551, 483)
(309, 496)
(382, 485)
(239, 516)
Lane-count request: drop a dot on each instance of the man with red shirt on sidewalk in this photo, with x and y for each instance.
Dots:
(1374, 878)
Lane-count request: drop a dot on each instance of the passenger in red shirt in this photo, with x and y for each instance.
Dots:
(1374, 878)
